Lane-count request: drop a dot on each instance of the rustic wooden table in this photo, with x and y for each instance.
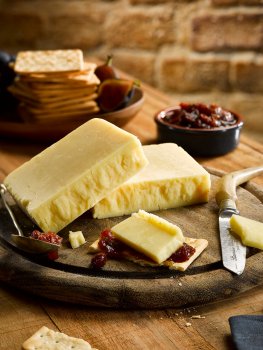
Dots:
(21, 315)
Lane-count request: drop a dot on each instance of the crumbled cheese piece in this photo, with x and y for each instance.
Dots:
(76, 239)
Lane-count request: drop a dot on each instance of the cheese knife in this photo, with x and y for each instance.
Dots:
(233, 251)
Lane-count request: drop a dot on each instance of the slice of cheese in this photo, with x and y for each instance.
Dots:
(171, 179)
(250, 231)
(71, 176)
(149, 234)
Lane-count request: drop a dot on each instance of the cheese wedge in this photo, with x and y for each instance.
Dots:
(149, 234)
(171, 179)
(71, 176)
(250, 231)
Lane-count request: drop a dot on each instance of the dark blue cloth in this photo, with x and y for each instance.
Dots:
(247, 331)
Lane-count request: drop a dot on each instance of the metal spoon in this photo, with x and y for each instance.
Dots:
(28, 244)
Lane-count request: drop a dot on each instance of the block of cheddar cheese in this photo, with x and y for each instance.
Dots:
(71, 176)
(171, 179)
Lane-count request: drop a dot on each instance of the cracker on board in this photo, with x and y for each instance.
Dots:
(48, 61)
(47, 339)
(198, 243)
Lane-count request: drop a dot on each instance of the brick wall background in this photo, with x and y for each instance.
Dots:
(205, 50)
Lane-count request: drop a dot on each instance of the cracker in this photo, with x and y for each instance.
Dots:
(49, 114)
(60, 116)
(198, 243)
(89, 68)
(87, 105)
(49, 61)
(47, 88)
(80, 78)
(50, 96)
(47, 339)
(77, 119)
(79, 101)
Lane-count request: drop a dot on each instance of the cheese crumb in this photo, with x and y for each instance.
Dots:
(76, 239)
(197, 317)
(188, 324)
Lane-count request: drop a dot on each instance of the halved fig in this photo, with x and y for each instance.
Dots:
(114, 94)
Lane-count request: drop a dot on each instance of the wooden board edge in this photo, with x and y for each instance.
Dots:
(181, 291)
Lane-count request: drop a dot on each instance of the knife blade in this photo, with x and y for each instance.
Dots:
(232, 250)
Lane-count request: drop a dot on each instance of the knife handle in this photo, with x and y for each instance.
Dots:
(226, 192)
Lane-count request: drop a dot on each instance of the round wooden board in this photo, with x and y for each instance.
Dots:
(123, 284)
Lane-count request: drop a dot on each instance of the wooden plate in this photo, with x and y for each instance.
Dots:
(52, 132)
(122, 284)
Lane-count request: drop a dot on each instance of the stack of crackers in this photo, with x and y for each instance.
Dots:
(55, 86)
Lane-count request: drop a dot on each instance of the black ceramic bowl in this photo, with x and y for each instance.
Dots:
(212, 141)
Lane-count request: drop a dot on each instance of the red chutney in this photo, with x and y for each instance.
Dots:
(201, 116)
(182, 254)
(49, 237)
(111, 247)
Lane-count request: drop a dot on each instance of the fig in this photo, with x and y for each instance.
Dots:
(106, 71)
(114, 94)
(7, 73)
(7, 76)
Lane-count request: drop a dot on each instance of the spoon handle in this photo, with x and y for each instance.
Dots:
(3, 190)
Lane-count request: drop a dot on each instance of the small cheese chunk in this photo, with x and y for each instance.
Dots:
(149, 234)
(76, 239)
(250, 231)
(71, 176)
(171, 179)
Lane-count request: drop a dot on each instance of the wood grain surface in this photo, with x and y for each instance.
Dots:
(22, 313)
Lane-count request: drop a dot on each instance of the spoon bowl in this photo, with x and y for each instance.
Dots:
(27, 244)
(32, 245)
